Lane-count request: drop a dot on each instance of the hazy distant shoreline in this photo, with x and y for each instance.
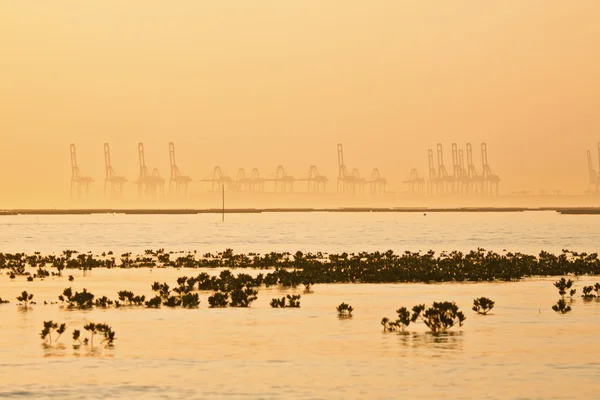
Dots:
(189, 211)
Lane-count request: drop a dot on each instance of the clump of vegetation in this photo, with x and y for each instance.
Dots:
(130, 298)
(218, 300)
(563, 286)
(103, 302)
(4, 301)
(483, 305)
(587, 292)
(439, 317)
(561, 307)
(106, 330)
(243, 296)
(81, 300)
(76, 338)
(172, 301)
(278, 303)
(190, 300)
(290, 301)
(154, 302)
(25, 298)
(293, 301)
(49, 327)
(344, 310)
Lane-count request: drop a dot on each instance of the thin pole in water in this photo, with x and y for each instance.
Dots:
(223, 209)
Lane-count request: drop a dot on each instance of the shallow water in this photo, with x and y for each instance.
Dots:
(328, 232)
(522, 350)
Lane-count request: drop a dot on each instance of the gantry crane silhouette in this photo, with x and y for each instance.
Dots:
(415, 183)
(348, 182)
(218, 179)
(111, 179)
(177, 178)
(149, 184)
(79, 182)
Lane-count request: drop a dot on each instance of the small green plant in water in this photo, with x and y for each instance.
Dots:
(587, 293)
(190, 300)
(49, 327)
(483, 305)
(154, 302)
(564, 286)
(243, 296)
(293, 301)
(218, 300)
(278, 303)
(172, 301)
(440, 317)
(344, 310)
(25, 298)
(561, 307)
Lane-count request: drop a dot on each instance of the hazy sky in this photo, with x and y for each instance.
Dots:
(259, 83)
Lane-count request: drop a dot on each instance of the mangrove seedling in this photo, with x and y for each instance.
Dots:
(49, 327)
(218, 300)
(154, 302)
(563, 286)
(344, 310)
(293, 301)
(109, 334)
(561, 307)
(278, 303)
(440, 317)
(404, 318)
(243, 297)
(172, 301)
(587, 292)
(71, 278)
(4, 301)
(483, 305)
(389, 325)
(25, 298)
(92, 329)
(190, 300)
(155, 287)
(76, 337)
(104, 302)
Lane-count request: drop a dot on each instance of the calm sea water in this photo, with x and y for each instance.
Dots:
(328, 232)
(522, 350)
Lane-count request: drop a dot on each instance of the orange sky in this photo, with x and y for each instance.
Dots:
(256, 84)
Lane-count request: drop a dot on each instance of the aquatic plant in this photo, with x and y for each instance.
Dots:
(71, 278)
(172, 301)
(483, 305)
(389, 325)
(439, 317)
(76, 337)
(25, 298)
(130, 298)
(563, 285)
(154, 302)
(344, 310)
(49, 327)
(278, 303)
(190, 300)
(79, 300)
(293, 301)
(587, 292)
(243, 296)
(218, 300)
(561, 307)
(103, 302)
(4, 301)
(106, 330)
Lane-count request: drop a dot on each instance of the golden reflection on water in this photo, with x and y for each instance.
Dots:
(522, 349)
